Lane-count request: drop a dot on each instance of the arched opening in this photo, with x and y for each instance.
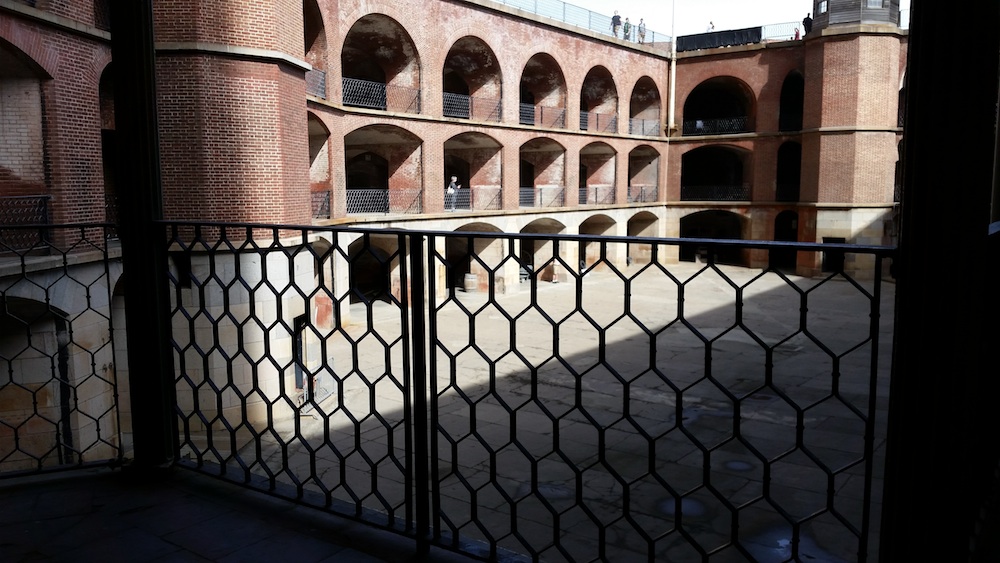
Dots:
(789, 173)
(643, 174)
(384, 170)
(542, 93)
(786, 228)
(320, 186)
(380, 66)
(719, 106)
(473, 261)
(543, 173)
(372, 260)
(102, 14)
(792, 102)
(599, 102)
(592, 253)
(476, 159)
(546, 260)
(314, 41)
(36, 399)
(712, 224)
(471, 81)
(597, 160)
(22, 152)
(644, 108)
(642, 224)
(714, 173)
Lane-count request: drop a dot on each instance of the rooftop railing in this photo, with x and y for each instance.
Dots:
(582, 17)
(505, 396)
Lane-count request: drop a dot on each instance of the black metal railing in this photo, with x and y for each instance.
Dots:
(320, 203)
(644, 127)
(24, 210)
(543, 116)
(720, 126)
(582, 17)
(316, 83)
(521, 396)
(471, 107)
(603, 122)
(383, 200)
(597, 195)
(376, 95)
(58, 349)
(505, 396)
(739, 192)
(640, 193)
(544, 196)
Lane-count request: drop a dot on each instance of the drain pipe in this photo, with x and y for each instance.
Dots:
(671, 124)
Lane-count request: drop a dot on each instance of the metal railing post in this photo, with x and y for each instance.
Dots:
(418, 393)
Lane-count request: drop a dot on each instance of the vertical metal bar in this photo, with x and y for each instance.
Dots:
(874, 315)
(144, 254)
(433, 390)
(418, 395)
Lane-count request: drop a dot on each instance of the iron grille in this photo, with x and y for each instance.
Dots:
(59, 390)
(24, 210)
(597, 195)
(638, 193)
(603, 122)
(543, 116)
(316, 83)
(320, 205)
(376, 95)
(582, 399)
(716, 193)
(719, 126)
(471, 107)
(644, 127)
(544, 196)
(382, 200)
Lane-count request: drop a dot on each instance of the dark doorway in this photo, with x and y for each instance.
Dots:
(786, 229)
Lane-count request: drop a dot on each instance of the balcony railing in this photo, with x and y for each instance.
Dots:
(440, 385)
(23, 210)
(316, 83)
(582, 17)
(383, 201)
(478, 198)
(546, 196)
(376, 95)
(644, 127)
(639, 193)
(721, 126)
(471, 107)
(597, 195)
(543, 116)
(321, 205)
(740, 192)
(603, 122)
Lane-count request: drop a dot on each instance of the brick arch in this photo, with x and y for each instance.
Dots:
(42, 58)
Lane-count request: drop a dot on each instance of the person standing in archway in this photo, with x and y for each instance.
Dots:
(451, 193)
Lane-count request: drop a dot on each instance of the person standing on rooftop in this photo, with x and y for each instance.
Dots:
(616, 22)
(641, 32)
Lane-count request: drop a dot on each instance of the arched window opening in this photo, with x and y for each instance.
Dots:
(644, 109)
(599, 102)
(543, 93)
(471, 82)
(314, 39)
(380, 66)
(712, 224)
(714, 174)
(719, 106)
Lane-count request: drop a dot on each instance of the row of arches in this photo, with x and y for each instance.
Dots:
(381, 68)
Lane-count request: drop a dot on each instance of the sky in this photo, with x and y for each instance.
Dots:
(693, 15)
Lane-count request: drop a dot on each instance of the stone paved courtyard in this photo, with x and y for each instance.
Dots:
(601, 420)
